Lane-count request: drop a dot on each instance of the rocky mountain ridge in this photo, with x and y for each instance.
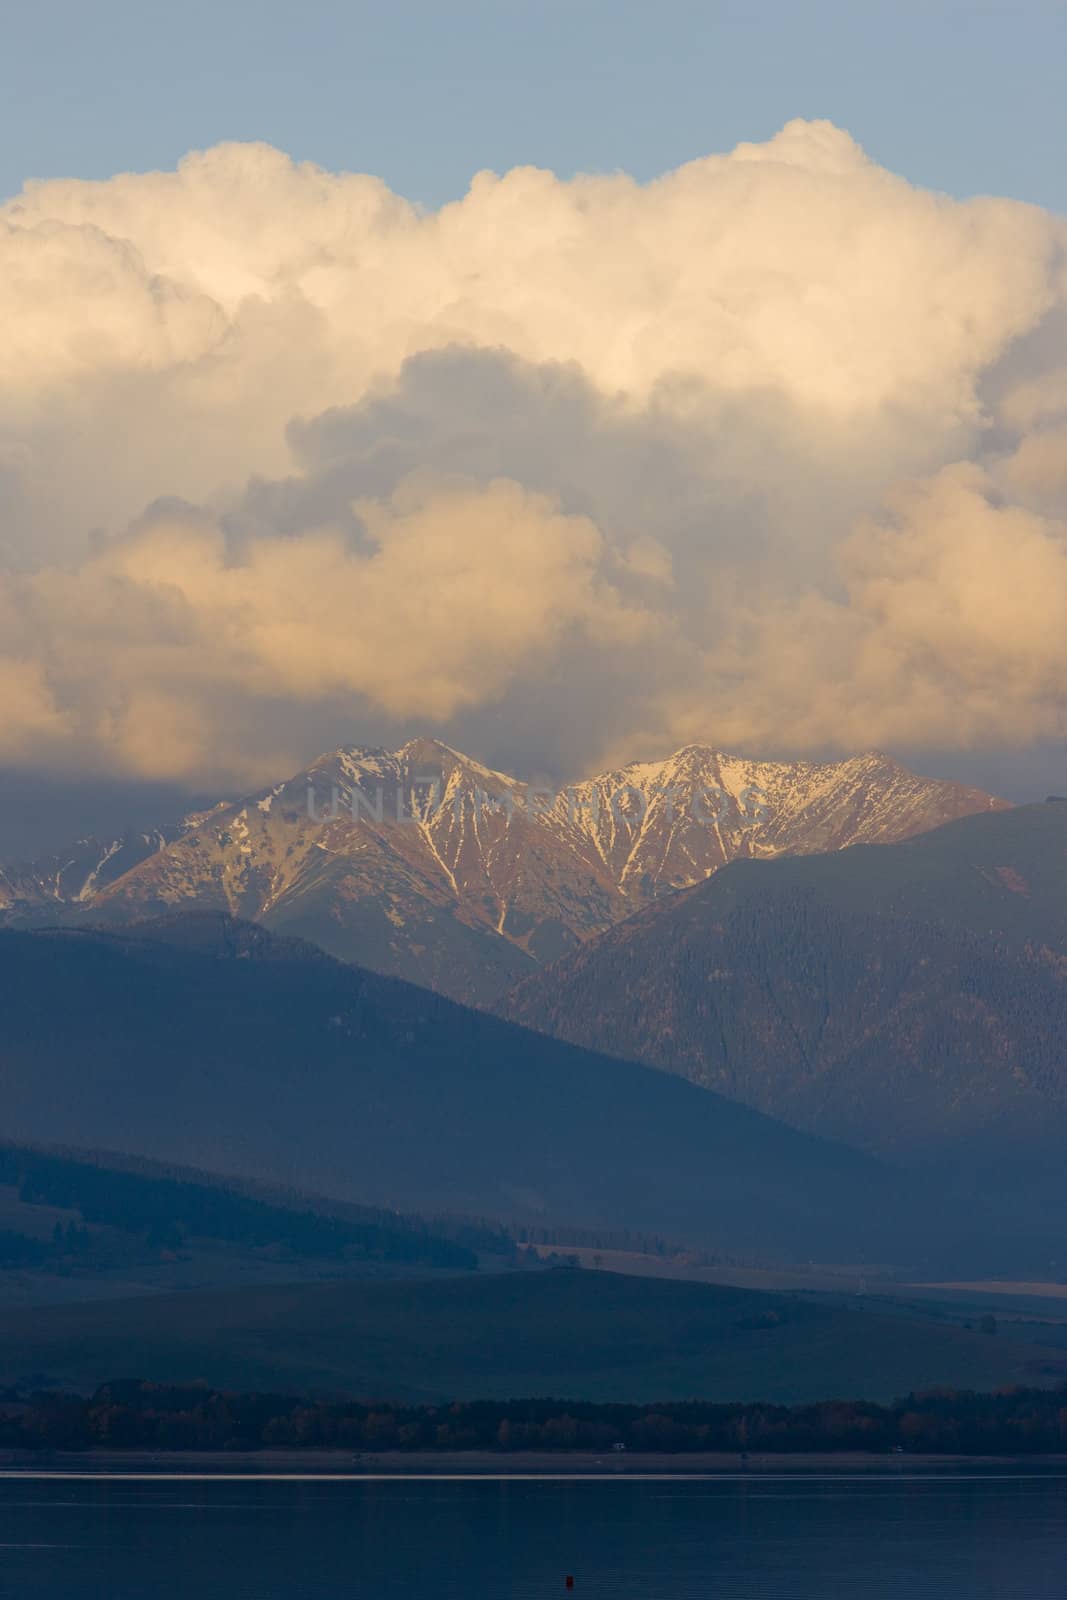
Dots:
(423, 863)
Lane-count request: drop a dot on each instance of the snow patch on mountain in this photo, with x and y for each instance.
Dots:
(425, 863)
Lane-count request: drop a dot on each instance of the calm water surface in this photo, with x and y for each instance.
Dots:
(799, 1539)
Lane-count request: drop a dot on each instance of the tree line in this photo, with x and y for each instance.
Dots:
(167, 1210)
(135, 1414)
(170, 1206)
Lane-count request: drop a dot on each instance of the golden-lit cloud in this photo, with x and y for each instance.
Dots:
(769, 451)
(949, 629)
(163, 644)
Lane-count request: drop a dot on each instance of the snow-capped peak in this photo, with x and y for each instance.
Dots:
(426, 862)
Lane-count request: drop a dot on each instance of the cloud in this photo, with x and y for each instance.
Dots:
(164, 643)
(950, 631)
(768, 451)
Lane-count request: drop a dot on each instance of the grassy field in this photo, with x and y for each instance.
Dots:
(594, 1335)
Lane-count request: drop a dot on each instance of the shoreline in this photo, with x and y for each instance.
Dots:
(344, 1464)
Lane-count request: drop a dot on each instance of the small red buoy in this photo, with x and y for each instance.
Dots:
(570, 1581)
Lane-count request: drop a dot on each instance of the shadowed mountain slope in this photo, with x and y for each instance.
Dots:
(211, 1043)
(909, 998)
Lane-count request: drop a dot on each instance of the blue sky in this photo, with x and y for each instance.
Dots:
(962, 97)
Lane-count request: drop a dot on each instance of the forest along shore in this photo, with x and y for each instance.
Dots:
(538, 1464)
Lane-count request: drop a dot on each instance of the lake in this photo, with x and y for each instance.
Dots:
(696, 1539)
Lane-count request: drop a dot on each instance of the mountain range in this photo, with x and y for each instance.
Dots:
(696, 966)
(423, 864)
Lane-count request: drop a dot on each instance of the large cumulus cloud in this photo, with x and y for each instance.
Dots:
(769, 451)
